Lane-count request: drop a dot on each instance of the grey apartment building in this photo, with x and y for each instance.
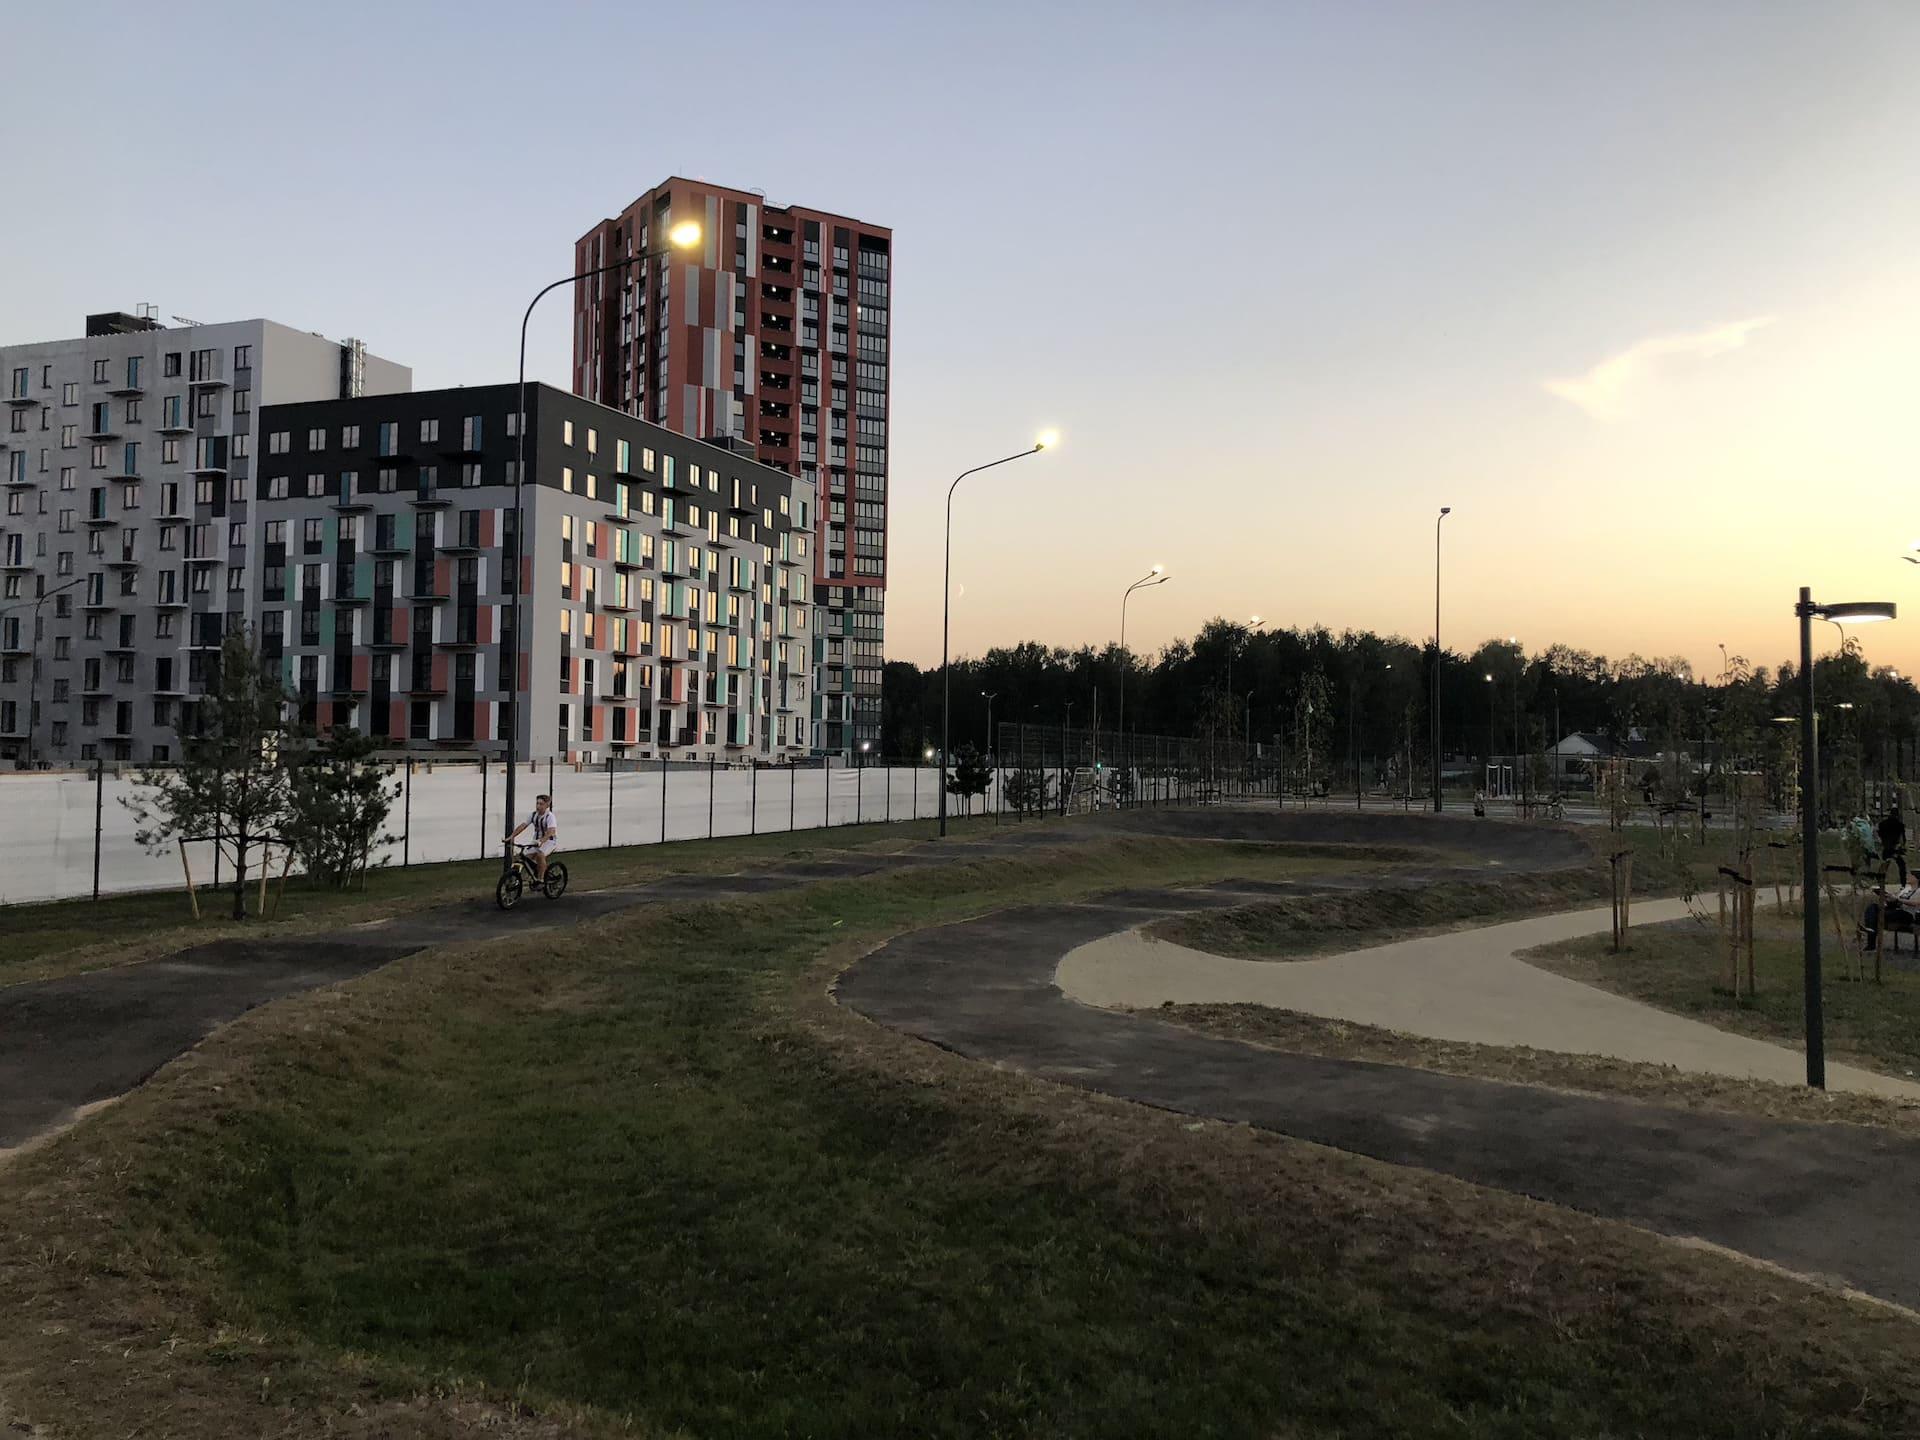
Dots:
(774, 331)
(128, 543)
(665, 591)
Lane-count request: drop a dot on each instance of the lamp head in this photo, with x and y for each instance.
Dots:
(1489, 677)
(1446, 509)
(1158, 570)
(1047, 440)
(685, 235)
(1857, 612)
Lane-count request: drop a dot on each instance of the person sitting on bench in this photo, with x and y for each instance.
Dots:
(1899, 907)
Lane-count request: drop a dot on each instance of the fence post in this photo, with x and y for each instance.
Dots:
(793, 794)
(753, 801)
(886, 773)
(663, 799)
(550, 778)
(609, 802)
(859, 794)
(826, 792)
(916, 792)
(710, 764)
(99, 800)
(406, 825)
(483, 807)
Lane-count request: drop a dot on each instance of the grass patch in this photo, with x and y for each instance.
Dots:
(1519, 1064)
(1295, 927)
(67, 936)
(646, 1179)
(1677, 966)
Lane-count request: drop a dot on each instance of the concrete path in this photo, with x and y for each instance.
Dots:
(1832, 1201)
(1468, 985)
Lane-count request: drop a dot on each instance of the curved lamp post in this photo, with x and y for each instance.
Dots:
(1858, 612)
(1046, 442)
(1439, 655)
(1156, 576)
(683, 236)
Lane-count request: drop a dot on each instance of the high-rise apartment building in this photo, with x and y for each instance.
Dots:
(128, 543)
(773, 332)
(665, 595)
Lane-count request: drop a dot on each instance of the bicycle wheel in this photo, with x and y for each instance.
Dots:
(507, 893)
(556, 880)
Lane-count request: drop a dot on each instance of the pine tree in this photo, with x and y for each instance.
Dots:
(338, 800)
(230, 785)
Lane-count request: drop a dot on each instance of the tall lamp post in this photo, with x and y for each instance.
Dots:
(987, 695)
(33, 670)
(1156, 576)
(1233, 645)
(683, 236)
(1046, 441)
(1439, 655)
(1496, 783)
(1860, 612)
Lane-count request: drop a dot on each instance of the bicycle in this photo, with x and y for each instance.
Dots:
(520, 877)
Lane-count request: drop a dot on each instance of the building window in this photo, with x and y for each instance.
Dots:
(429, 432)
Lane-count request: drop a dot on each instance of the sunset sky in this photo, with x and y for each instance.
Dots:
(1634, 288)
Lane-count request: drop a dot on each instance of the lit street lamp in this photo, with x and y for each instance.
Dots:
(1489, 679)
(1046, 441)
(683, 236)
(988, 695)
(1859, 612)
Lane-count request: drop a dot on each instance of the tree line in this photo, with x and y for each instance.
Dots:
(1361, 702)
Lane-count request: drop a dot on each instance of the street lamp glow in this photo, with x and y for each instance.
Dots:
(1048, 440)
(1489, 678)
(929, 753)
(1157, 570)
(685, 235)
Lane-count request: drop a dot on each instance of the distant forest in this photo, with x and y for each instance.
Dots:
(1363, 699)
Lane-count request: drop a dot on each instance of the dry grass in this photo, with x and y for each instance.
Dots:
(419, 1204)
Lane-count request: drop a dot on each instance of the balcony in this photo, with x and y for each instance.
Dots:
(430, 499)
(349, 599)
(20, 481)
(15, 646)
(349, 503)
(387, 642)
(200, 468)
(426, 685)
(458, 642)
(428, 597)
(181, 426)
(124, 389)
(629, 561)
(168, 602)
(110, 433)
(99, 522)
(26, 399)
(211, 375)
(124, 562)
(390, 547)
(461, 545)
(616, 606)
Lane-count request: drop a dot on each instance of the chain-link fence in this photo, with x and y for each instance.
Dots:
(72, 835)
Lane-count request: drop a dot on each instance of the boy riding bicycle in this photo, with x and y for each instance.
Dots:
(546, 834)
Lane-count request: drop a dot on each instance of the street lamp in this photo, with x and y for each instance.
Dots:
(1439, 655)
(988, 695)
(1254, 622)
(1489, 679)
(1156, 576)
(1047, 441)
(33, 671)
(683, 236)
(864, 744)
(1859, 612)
